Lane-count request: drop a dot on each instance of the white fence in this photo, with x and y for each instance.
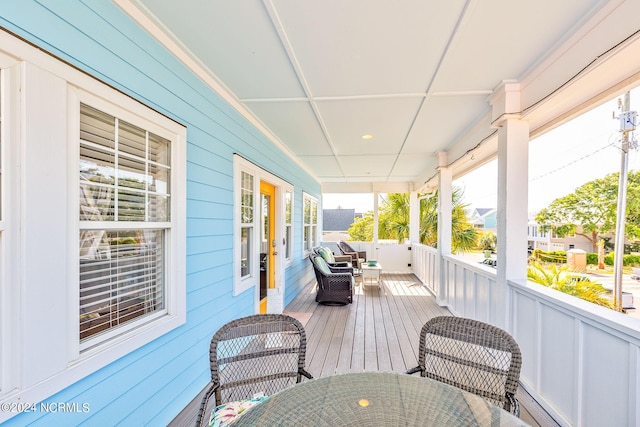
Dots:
(580, 361)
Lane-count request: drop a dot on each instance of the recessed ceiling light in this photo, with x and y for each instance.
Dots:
(367, 136)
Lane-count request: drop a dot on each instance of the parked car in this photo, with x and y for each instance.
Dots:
(490, 262)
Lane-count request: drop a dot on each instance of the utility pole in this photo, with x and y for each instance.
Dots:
(627, 124)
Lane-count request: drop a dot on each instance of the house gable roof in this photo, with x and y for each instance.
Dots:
(337, 219)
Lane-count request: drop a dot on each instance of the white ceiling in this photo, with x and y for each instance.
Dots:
(415, 74)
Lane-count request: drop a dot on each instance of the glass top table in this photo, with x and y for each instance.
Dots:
(375, 399)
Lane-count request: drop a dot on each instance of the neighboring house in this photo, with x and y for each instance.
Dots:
(484, 219)
(546, 241)
(336, 223)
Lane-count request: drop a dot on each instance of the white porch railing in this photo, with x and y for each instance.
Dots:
(581, 362)
(394, 257)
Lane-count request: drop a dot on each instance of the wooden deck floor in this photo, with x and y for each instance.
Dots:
(379, 331)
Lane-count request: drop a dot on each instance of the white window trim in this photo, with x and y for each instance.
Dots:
(305, 196)
(48, 96)
(75, 98)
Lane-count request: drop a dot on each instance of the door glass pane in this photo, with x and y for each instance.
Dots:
(245, 251)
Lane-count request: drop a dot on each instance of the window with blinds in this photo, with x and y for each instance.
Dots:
(124, 211)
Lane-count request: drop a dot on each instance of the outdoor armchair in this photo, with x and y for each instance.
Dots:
(335, 284)
(333, 260)
(252, 357)
(357, 257)
(471, 355)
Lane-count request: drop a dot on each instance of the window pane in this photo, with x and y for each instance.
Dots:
(312, 239)
(287, 208)
(245, 251)
(158, 207)
(246, 198)
(159, 150)
(131, 205)
(96, 202)
(97, 165)
(132, 140)
(288, 241)
(314, 212)
(121, 278)
(97, 127)
(131, 173)
(306, 238)
(159, 179)
(307, 211)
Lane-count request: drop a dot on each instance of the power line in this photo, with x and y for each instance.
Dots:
(586, 156)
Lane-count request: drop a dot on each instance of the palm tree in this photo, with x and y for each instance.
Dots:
(394, 217)
(463, 235)
(562, 279)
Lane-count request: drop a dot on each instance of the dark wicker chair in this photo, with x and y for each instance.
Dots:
(357, 257)
(471, 355)
(258, 354)
(335, 284)
(333, 260)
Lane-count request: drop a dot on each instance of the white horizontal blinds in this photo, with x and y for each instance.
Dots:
(124, 181)
(97, 165)
(122, 288)
(246, 222)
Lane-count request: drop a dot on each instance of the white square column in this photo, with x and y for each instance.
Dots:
(513, 183)
(445, 206)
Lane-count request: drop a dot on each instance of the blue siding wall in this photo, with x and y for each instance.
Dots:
(151, 385)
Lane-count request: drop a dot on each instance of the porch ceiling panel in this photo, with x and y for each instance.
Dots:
(506, 38)
(328, 165)
(411, 165)
(360, 47)
(235, 40)
(387, 120)
(296, 125)
(416, 75)
(438, 123)
(365, 168)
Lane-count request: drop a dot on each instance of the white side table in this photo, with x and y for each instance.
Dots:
(371, 273)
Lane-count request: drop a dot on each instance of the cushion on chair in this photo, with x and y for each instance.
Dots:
(228, 412)
(322, 265)
(327, 255)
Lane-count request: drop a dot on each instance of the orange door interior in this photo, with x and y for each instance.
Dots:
(267, 270)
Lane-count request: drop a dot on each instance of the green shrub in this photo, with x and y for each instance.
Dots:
(592, 258)
(608, 258)
(551, 256)
(627, 260)
(631, 260)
